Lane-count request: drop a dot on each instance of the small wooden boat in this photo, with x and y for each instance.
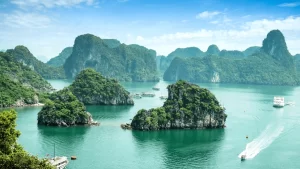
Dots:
(73, 157)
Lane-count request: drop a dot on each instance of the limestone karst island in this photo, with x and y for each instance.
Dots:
(151, 84)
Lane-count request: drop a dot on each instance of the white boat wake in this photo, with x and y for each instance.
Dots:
(262, 142)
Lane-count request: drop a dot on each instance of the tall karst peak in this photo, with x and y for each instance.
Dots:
(213, 50)
(275, 46)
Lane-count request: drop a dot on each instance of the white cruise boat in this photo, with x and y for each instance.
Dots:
(59, 162)
(278, 101)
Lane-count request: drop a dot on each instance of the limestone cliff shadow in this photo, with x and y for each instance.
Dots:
(108, 112)
(183, 148)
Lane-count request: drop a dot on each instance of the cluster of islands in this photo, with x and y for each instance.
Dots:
(98, 65)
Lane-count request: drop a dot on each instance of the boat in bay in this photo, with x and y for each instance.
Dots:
(137, 96)
(243, 157)
(278, 101)
(163, 97)
(148, 94)
(155, 88)
(60, 162)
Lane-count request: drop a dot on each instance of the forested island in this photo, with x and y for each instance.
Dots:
(121, 62)
(63, 109)
(187, 106)
(66, 107)
(272, 64)
(90, 87)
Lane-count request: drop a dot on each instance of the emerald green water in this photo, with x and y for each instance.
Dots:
(249, 110)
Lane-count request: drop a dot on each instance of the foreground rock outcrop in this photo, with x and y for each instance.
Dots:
(187, 106)
(92, 88)
(64, 109)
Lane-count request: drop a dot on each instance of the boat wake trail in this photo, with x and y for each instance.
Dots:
(263, 141)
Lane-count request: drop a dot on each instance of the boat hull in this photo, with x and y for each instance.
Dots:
(278, 105)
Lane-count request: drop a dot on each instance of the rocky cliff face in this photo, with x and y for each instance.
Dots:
(187, 106)
(275, 46)
(124, 62)
(92, 88)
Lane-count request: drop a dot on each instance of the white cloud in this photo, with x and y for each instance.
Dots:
(207, 14)
(239, 38)
(29, 20)
(50, 3)
(214, 22)
(293, 4)
(139, 38)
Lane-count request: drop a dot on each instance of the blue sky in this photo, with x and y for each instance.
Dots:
(48, 26)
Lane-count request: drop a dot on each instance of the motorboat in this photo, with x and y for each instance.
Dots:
(243, 157)
(278, 101)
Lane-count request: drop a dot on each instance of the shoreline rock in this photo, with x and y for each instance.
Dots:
(126, 126)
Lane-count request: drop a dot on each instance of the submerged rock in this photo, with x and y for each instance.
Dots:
(187, 106)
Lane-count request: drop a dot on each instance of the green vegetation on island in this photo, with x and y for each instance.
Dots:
(63, 109)
(164, 62)
(20, 86)
(251, 50)
(13, 93)
(273, 64)
(23, 55)
(61, 58)
(112, 43)
(21, 73)
(187, 106)
(212, 50)
(92, 88)
(12, 155)
(124, 62)
(182, 53)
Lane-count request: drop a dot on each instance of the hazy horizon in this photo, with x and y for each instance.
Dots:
(47, 27)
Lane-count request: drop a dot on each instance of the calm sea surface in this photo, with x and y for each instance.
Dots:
(274, 138)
